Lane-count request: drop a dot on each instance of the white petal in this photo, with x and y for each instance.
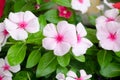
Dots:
(87, 77)
(33, 26)
(117, 19)
(50, 30)
(82, 73)
(14, 17)
(7, 78)
(15, 68)
(2, 27)
(2, 62)
(49, 43)
(71, 74)
(7, 73)
(18, 34)
(28, 16)
(61, 48)
(112, 13)
(70, 78)
(10, 25)
(2, 37)
(108, 4)
(101, 20)
(81, 30)
(21, 16)
(60, 76)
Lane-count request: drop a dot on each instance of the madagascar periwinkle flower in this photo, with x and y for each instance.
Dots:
(2, 4)
(109, 36)
(3, 34)
(59, 38)
(83, 76)
(4, 76)
(64, 12)
(82, 43)
(81, 5)
(18, 24)
(60, 76)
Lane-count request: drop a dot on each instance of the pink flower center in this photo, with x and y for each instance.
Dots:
(1, 78)
(5, 32)
(112, 36)
(6, 67)
(81, 1)
(79, 78)
(65, 12)
(110, 19)
(22, 25)
(59, 38)
(78, 38)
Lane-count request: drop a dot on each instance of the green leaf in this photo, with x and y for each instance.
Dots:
(42, 22)
(63, 70)
(104, 58)
(64, 60)
(112, 70)
(46, 65)
(33, 58)
(91, 35)
(80, 58)
(92, 50)
(52, 16)
(63, 2)
(16, 54)
(92, 19)
(117, 54)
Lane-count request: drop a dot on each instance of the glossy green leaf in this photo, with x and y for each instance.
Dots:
(46, 65)
(80, 58)
(33, 58)
(16, 54)
(63, 70)
(42, 22)
(64, 60)
(117, 53)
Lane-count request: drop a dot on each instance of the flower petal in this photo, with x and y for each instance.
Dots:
(2, 62)
(18, 34)
(15, 68)
(69, 78)
(49, 43)
(71, 74)
(7, 78)
(33, 26)
(61, 49)
(82, 73)
(7, 73)
(14, 17)
(2, 27)
(60, 76)
(50, 30)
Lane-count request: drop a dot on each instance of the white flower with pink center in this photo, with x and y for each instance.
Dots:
(59, 38)
(82, 43)
(6, 68)
(109, 36)
(109, 16)
(3, 35)
(81, 5)
(60, 76)
(83, 76)
(5, 77)
(18, 24)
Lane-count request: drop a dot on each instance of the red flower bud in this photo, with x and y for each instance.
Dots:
(2, 4)
(117, 5)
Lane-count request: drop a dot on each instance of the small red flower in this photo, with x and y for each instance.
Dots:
(117, 5)
(64, 12)
(2, 4)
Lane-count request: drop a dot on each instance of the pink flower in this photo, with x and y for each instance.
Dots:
(6, 68)
(3, 35)
(2, 4)
(109, 36)
(81, 5)
(116, 5)
(3, 76)
(83, 76)
(60, 76)
(64, 12)
(59, 38)
(109, 16)
(20, 23)
(82, 43)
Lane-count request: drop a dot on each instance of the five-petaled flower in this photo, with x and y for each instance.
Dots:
(60, 38)
(83, 76)
(4, 76)
(109, 36)
(2, 4)
(82, 43)
(64, 12)
(20, 23)
(81, 5)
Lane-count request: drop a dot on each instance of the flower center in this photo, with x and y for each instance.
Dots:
(110, 19)
(5, 32)
(1, 78)
(112, 36)
(81, 1)
(79, 78)
(78, 38)
(59, 38)
(22, 24)
(6, 67)
(65, 12)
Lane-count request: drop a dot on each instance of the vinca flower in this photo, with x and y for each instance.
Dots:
(59, 38)
(83, 76)
(81, 5)
(18, 24)
(3, 76)
(60, 76)
(82, 43)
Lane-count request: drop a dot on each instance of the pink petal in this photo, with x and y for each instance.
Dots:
(50, 30)
(49, 43)
(2, 62)
(2, 27)
(21, 16)
(82, 73)
(33, 26)
(71, 74)
(18, 34)
(101, 20)
(61, 48)
(69, 78)
(15, 68)
(81, 30)
(14, 17)
(60, 76)
(2, 37)
(7, 73)
(7, 78)
(28, 16)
